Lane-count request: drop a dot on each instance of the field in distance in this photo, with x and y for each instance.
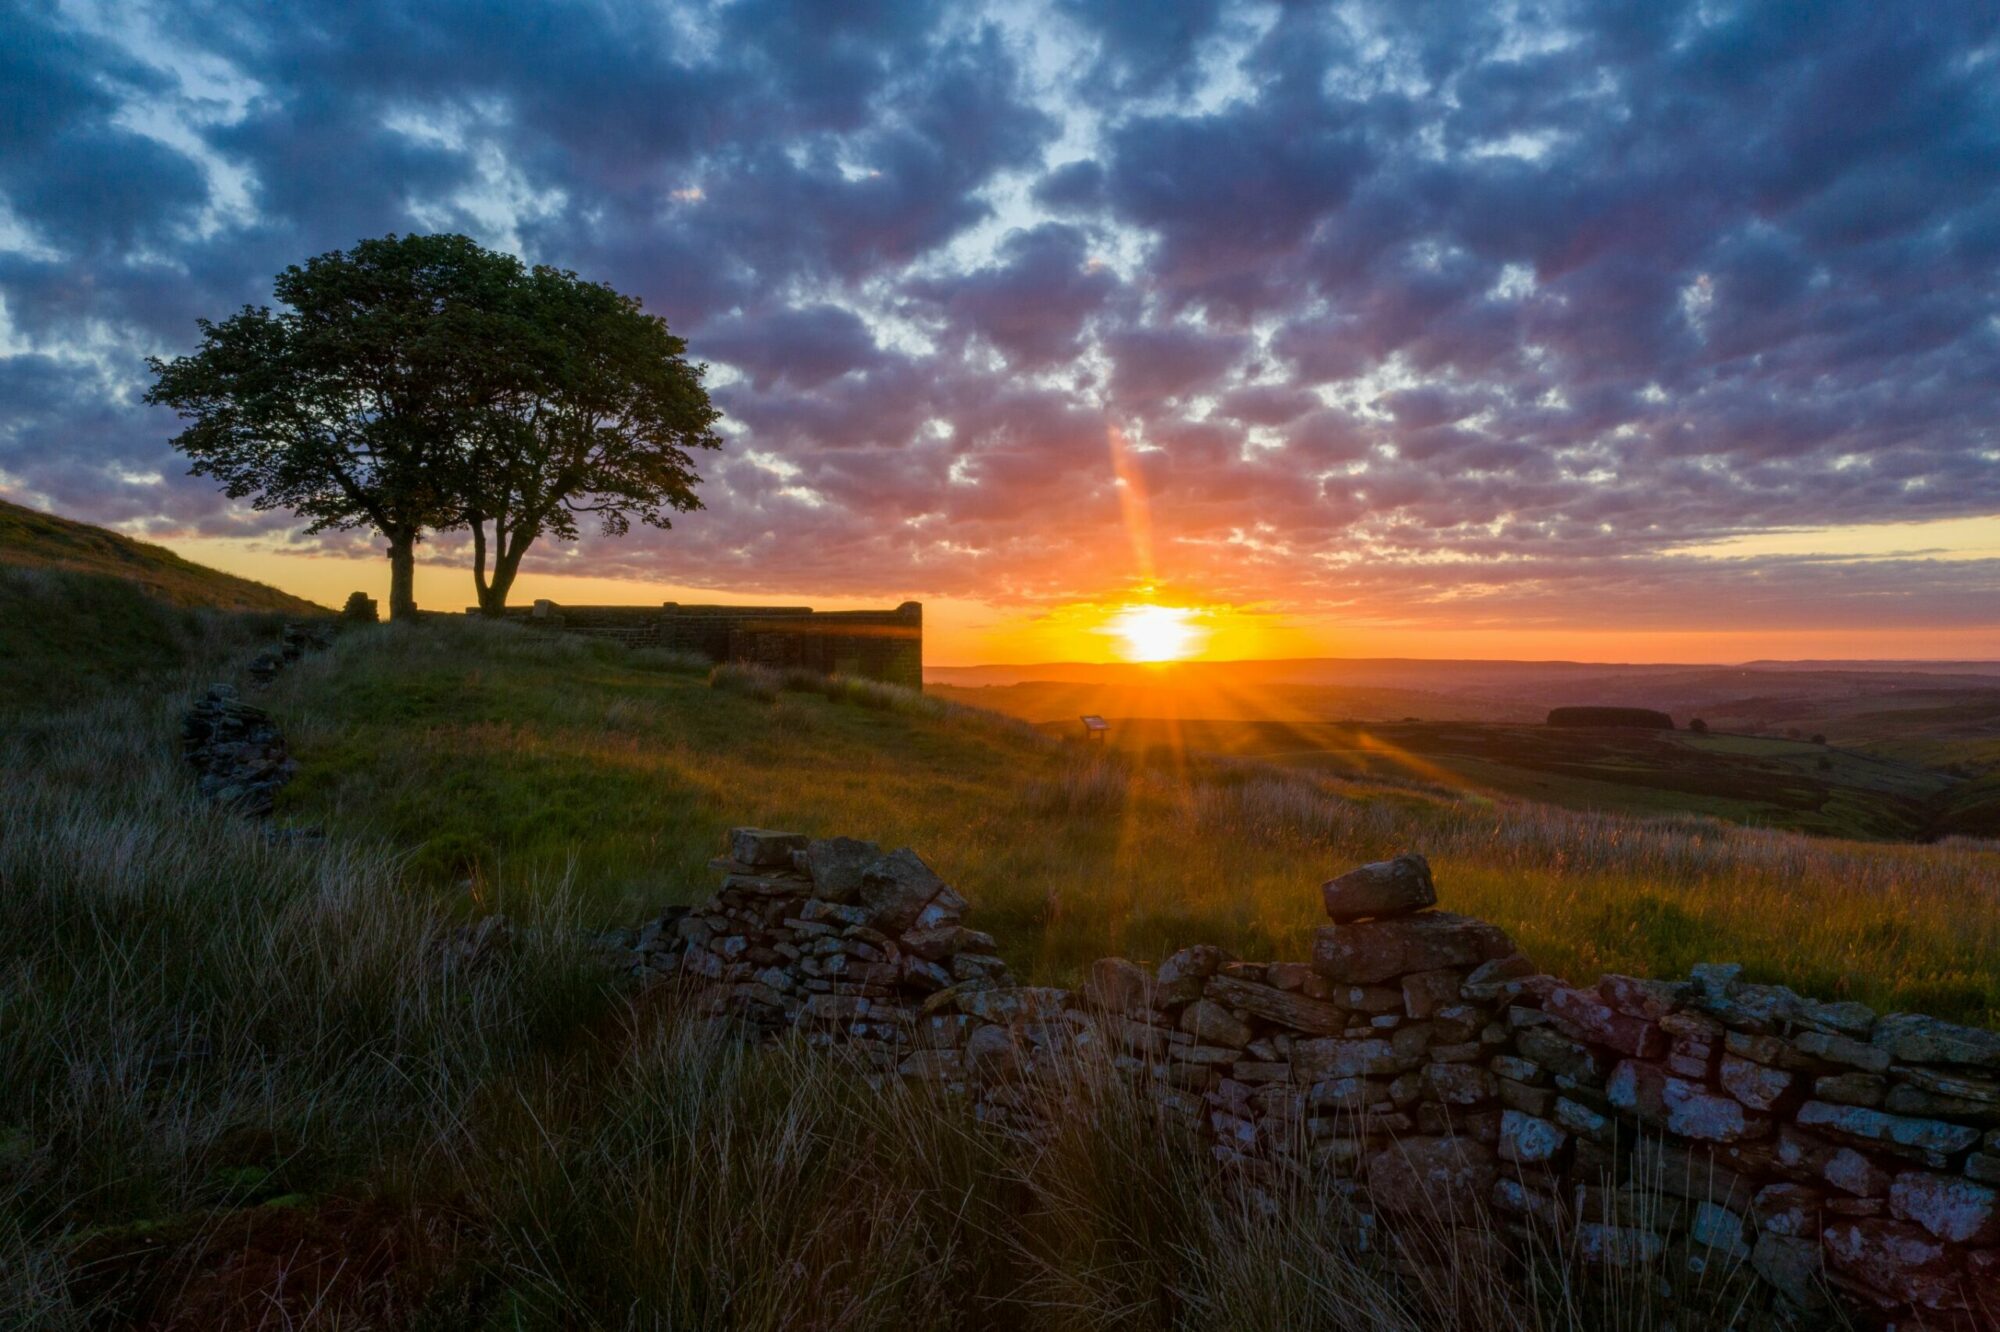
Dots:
(1870, 750)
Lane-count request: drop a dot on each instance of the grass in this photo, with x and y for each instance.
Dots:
(244, 1084)
(498, 760)
(72, 636)
(1752, 780)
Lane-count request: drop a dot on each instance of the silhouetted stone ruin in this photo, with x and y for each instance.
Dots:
(1645, 719)
(873, 644)
(1706, 1131)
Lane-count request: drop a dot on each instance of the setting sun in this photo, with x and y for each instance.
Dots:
(1158, 633)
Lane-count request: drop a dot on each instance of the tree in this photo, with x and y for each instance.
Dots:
(1698, 726)
(352, 407)
(590, 408)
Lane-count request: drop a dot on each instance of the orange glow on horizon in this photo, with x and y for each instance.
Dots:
(964, 631)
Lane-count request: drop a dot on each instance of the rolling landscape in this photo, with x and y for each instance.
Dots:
(1905, 752)
(1043, 665)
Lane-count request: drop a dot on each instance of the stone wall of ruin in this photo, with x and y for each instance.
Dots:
(873, 644)
(1821, 1154)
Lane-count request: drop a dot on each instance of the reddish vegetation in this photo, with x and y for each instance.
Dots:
(368, 1262)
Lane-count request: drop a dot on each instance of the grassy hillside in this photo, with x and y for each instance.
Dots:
(250, 1083)
(86, 610)
(33, 540)
(507, 766)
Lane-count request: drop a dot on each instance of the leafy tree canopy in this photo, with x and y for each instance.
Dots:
(423, 383)
(593, 410)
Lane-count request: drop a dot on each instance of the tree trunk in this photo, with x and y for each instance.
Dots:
(492, 600)
(402, 575)
(506, 563)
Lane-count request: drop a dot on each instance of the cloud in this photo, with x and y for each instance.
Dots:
(1441, 311)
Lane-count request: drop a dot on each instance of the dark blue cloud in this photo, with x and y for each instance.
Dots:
(1555, 292)
(1031, 305)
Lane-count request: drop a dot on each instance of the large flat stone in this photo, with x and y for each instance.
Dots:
(1912, 1038)
(1605, 1025)
(1371, 951)
(762, 848)
(1280, 1006)
(1210, 1022)
(1684, 1108)
(943, 941)
(1792, 1266)
(1384, 888)
(1117, 985)
(1896, 1132)
(836, 865)
(1436, 1177)
(1953, 1209)
(1891, 1256)
(1015, 1003)
(896, 888)
(1316, 1061)
(1752, 1083)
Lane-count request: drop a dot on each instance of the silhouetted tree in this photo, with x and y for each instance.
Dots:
(1698, 726)
(423, 383)
(588, 407)
(351, 406)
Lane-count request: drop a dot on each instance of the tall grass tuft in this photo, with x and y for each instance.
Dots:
(1089, 782)
(668, 661)
(758, 682)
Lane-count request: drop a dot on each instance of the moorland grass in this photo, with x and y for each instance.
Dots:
(499, 759)
(252, 1083)
(70, 636)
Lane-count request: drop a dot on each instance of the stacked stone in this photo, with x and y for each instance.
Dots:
(1710, 1129)
(1832, 1152)
(831, 935)
(1369, 1046)
(294, 641)
(236, 750)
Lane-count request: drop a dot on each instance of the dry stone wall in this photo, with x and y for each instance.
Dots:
(235, 748)
(1826, 1155)
(872, 644)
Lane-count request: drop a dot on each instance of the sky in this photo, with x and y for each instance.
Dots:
(1614, 331)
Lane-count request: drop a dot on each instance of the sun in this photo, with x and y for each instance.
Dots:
(1158, 633)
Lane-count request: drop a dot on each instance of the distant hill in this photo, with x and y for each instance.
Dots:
(33, 540)
(1913, 667)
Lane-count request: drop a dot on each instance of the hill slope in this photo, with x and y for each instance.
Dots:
(86, 609)
(34, 540)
